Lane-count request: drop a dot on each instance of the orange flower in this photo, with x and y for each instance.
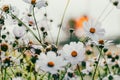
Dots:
(79, 22)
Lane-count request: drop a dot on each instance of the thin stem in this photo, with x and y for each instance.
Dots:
(0, 33)
(27, 27)
(5, 74)
(71, 36)
(97, 64)
(36, 23)
(62, 22)
(49, 28)
(106, 62)
(49, 76)
(107, 14)
(35, 76)
(102, 12)
(12, 71)
(79, 71)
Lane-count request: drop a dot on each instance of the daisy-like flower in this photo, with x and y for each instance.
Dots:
(8, 8)
(19, 31)
(100, 42)
(116, 3)
(37, 3)
(93, 30)
(73, 53)
(50, 63)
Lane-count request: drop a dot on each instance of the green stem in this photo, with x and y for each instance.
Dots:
(5, 74)
(35, 76)
(12, 71)
(106, 62)
(97, 64)
(36, 23)
(80, 71)
(71, 36)
(26, 27)
(62, 22)
(49, 76)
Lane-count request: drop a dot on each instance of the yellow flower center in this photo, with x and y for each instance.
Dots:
(74, 54)
(5, 8)
(92, 30)
(51, 64)
(33, 1)
(101, 41)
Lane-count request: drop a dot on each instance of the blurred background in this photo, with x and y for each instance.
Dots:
(77, 10)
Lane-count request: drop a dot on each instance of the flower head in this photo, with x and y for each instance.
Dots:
(93, 31)
(37, 3)
(73, 53)
(50, 62)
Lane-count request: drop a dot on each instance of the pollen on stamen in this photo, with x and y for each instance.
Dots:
(101, 41)
(74, 54)
(33, 1)
(92, 30)
(50, 64)
(5, 8)
(31, 23)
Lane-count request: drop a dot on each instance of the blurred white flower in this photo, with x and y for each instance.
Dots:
(37, 3)
(50, 62)
(112, 77)
(73, 53)
(17, 78)
(28, 19)
(100, 42)
(70, 75)
(36, 49)
(93, 30)
(88, 69)
(19, 31)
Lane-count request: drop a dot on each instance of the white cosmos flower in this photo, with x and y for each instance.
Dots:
(37, 3)
(18, 78)
(93, 30)
(116, 3)
(73, 53)
(19, 31)
(50, 62)
(100, 42)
